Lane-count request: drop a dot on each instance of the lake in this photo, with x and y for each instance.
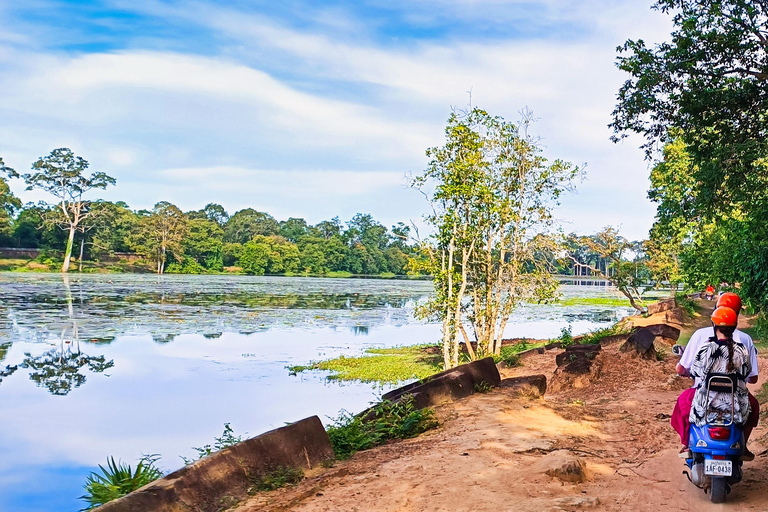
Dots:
(93, 366)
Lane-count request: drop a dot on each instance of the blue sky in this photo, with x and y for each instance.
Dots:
(315, 109)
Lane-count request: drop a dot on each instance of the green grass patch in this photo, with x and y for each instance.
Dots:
(382, 365)
(595, 301)
(276, 479)
(385, 421)
(599, 334)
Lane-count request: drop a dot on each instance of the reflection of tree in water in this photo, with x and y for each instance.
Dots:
(59, 371)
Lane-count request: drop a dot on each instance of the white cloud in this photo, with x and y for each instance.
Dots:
(315, 106)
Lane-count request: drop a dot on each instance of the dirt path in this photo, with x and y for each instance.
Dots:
(483, 456)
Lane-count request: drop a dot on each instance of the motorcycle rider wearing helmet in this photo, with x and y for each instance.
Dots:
(682, 411)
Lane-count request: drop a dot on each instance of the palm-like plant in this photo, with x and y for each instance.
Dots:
(118, 479)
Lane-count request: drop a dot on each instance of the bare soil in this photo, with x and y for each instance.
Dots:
(481, 458)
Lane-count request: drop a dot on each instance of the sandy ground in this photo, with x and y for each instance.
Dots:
(483, 457)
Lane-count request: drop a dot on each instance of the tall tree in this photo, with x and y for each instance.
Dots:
(161, 233)
(62, 174)
(491, 193)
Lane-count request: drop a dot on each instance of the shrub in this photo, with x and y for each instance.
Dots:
(228, 438)
(566, 336)
(509, 355)
(686, 303)
(275, 479)
(385, 421)
(598, 334)
(118, 479)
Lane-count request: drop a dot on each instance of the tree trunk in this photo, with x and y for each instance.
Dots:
(80, 260)
(68, 252)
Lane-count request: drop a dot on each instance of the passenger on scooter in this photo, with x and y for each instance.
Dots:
(710, 292)
(680, 416)
(723, 355)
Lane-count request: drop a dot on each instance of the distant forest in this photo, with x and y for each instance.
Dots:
(208, 240)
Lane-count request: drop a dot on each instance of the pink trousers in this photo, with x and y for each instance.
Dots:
(683, 410)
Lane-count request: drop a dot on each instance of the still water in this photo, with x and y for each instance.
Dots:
(93, 366)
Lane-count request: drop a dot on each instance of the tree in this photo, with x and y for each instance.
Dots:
(204, 243)
(293, 229)
(9, 204)
(160, 234)
(491, 194)
(246, 224)
(620, 271)
(61, 174)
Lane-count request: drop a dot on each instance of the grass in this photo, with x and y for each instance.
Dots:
(385, 421)
(686, 303)
(382, 365)
(118, 479)
(276, 479)
(599, 334)
(509, 354)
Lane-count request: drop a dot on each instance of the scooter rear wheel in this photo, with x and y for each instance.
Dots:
(719, 490)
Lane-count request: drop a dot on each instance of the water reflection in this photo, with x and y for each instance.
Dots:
(38, 307)
(59, 370)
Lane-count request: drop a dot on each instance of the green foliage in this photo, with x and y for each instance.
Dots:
(703, 94)
(387, 420)
(160, 234)
(491, 192)
(483, 387)
(381, 365)
(227, 439)
(509, 355)
(598, 334)
(276, 479)
(686, 303)
(566, 336)
(118, 479)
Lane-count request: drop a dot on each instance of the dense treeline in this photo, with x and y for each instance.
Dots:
(702, 97)
(206, 240)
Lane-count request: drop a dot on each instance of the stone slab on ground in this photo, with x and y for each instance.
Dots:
(563, 465)
(476, 372)
(226, 475)
(530, 385)
(641, 342)
(662, 305)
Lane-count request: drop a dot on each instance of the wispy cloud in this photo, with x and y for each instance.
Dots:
(309, 92)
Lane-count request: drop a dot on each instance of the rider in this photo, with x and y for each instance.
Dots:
(721, 354)
(684, 401)
(710, 293)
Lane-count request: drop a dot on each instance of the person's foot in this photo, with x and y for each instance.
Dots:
(748, 455)
(684, 453)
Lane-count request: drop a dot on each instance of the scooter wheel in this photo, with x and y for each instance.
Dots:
(719, 490)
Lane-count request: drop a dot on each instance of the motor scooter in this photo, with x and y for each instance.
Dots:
(715, 449)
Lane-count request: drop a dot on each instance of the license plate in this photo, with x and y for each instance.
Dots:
(714, 467)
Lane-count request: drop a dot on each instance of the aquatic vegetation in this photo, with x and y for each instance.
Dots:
(382, 365)
(594, 301)
(388, 420)
(118, 479)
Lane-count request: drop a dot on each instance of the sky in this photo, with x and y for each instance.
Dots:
(316, 109)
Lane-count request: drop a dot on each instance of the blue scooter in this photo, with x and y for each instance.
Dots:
(716, 448)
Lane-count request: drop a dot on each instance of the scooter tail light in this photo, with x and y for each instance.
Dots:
(719, 433)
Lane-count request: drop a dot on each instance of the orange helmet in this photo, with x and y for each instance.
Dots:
(730, 300)
(724, 317)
